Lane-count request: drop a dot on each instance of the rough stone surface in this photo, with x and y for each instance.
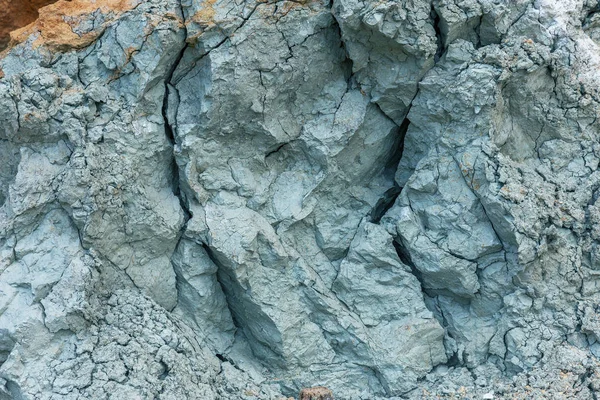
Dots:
(316, 393)
(17, 14)
(238, 200)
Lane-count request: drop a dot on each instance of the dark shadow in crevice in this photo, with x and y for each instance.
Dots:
(385, 203)
(438, 34)
(389, 197)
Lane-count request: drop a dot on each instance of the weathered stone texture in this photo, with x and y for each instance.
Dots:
(238, 200)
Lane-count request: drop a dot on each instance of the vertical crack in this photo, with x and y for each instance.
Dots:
(171, 135)
(438, 34)
(385, 203)
(429, 298)
(170, 130)
(389, 197)
(240, 309)
(404, 256)
(224, 287)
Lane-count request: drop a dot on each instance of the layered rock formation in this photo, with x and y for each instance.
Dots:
(236, 200)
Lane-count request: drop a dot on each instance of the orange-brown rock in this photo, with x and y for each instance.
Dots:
(56, 22)
(316, 393)
(17, 14)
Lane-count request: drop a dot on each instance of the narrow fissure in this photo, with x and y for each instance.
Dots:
(477, 31)
(406, 260)
(171, 134)
(405, 257)
(164, 371)
(590, 14)
(438, 34)
(239, 309)
(389, 197)
(385, 203)
(224, 288)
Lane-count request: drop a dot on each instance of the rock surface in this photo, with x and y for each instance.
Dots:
(238, 200)
(15, 15)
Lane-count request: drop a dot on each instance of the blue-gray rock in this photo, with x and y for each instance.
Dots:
(217, 200)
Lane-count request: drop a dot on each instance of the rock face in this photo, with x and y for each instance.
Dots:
(238, 200)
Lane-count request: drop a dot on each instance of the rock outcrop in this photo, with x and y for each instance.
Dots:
(238, 200)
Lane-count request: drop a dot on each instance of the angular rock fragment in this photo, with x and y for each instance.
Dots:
(316, 393)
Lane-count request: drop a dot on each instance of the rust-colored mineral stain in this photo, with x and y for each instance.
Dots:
(206, 14)
(56, 21)
(17, 14)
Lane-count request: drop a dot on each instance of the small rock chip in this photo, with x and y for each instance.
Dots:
(316, 393)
